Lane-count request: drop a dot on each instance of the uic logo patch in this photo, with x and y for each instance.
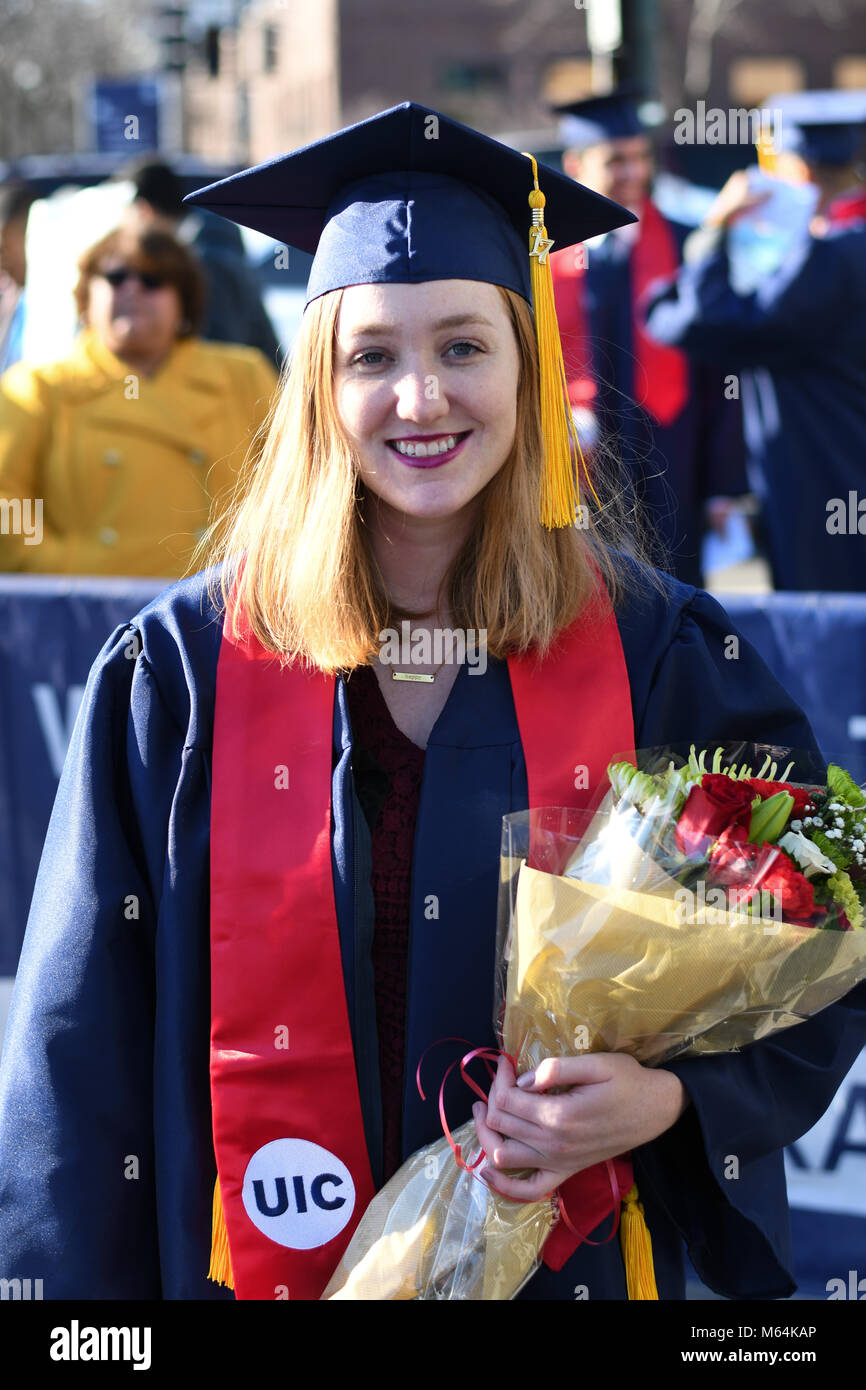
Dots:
(297, 1193)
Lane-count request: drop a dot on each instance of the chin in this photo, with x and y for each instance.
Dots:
(432, 508)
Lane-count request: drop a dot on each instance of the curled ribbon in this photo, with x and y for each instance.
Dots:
(487, 1054)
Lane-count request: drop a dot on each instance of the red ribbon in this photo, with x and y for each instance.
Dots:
(595, 1192)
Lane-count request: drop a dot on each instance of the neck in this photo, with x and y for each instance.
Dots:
(415, 553)
(145, 363)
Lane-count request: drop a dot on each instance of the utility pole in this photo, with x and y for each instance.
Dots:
(173, 42)
(621, 36)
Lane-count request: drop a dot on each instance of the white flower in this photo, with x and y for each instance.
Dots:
(796, 825)
(807, 854)
(817, 821)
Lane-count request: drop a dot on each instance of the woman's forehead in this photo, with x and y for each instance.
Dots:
(423, 305)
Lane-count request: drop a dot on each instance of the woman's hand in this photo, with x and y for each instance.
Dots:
(614, 1105)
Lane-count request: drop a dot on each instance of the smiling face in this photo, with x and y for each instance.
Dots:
(620, 169)
(425, 385)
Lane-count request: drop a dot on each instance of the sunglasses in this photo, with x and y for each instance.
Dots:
(119, 277)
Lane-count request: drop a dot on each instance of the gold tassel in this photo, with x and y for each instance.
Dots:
(220, 1258)
(560, 487)
(637, 1250)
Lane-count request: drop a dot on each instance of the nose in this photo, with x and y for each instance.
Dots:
(421, 396)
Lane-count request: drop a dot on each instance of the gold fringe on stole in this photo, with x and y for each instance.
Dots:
(220, 1259)
(637, 1251)
(560, 485)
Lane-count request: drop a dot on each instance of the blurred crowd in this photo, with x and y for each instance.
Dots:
(722, 366)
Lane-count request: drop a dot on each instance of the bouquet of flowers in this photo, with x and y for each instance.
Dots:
(706, 904)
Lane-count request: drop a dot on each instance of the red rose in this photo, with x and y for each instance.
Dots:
(793, 890)
(753, 869)
(733, 860)
(800, 794)
(717, 805)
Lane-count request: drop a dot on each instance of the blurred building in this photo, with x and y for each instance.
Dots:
(265, 76)
(284, 74)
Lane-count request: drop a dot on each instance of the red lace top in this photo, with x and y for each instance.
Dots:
(387, 768)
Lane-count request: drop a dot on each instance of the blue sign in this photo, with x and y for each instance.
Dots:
(125, 115)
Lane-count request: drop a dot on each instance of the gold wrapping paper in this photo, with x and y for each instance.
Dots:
(637, 972)
(590, 968)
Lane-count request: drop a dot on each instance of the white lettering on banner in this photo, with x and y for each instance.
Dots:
(297, 1193)
(826, 1169)
(55, 732)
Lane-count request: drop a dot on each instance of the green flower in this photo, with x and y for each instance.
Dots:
(845, 894)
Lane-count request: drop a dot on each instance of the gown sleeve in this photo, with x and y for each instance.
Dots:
(77, 1187)
(719, 1172)
(789, 321)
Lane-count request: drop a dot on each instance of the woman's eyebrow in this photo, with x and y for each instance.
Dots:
(379, 330)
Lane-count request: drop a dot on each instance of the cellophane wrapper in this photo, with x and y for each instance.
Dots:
(606, 942)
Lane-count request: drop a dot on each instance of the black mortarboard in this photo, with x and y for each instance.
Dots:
(406, 196)
(822, 127)
(596, 119)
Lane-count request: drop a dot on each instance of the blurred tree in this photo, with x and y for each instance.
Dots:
(49, 51)
(697, 38)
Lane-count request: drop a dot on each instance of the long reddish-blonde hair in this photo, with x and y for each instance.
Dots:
(309, 587)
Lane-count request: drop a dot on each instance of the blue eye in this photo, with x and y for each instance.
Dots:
(363, 358)
(469, 349)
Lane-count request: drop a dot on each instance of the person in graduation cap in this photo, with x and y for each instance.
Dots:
(669, 420)
(798, 341)
(269, 884)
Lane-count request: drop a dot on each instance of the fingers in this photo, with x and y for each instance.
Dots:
(533, 1189)
(494, 1128)
(587, 1070)
(502, 1152)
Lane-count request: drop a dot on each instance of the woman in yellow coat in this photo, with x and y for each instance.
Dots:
(115, 459)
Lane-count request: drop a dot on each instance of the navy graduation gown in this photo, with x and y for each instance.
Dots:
(106, 1157)
(673, 468)
(799, 341)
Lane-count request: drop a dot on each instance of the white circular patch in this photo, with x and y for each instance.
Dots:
(297, 1193)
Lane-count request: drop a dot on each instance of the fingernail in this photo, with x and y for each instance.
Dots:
(526, 1080)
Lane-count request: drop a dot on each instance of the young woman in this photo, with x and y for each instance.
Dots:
(266, 836)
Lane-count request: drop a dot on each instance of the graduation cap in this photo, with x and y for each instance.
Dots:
(821, 127)
(615, 116)
(409, 196)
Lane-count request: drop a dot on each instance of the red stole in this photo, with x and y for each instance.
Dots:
(288, 1131)
(847, 209)
(661, 375)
